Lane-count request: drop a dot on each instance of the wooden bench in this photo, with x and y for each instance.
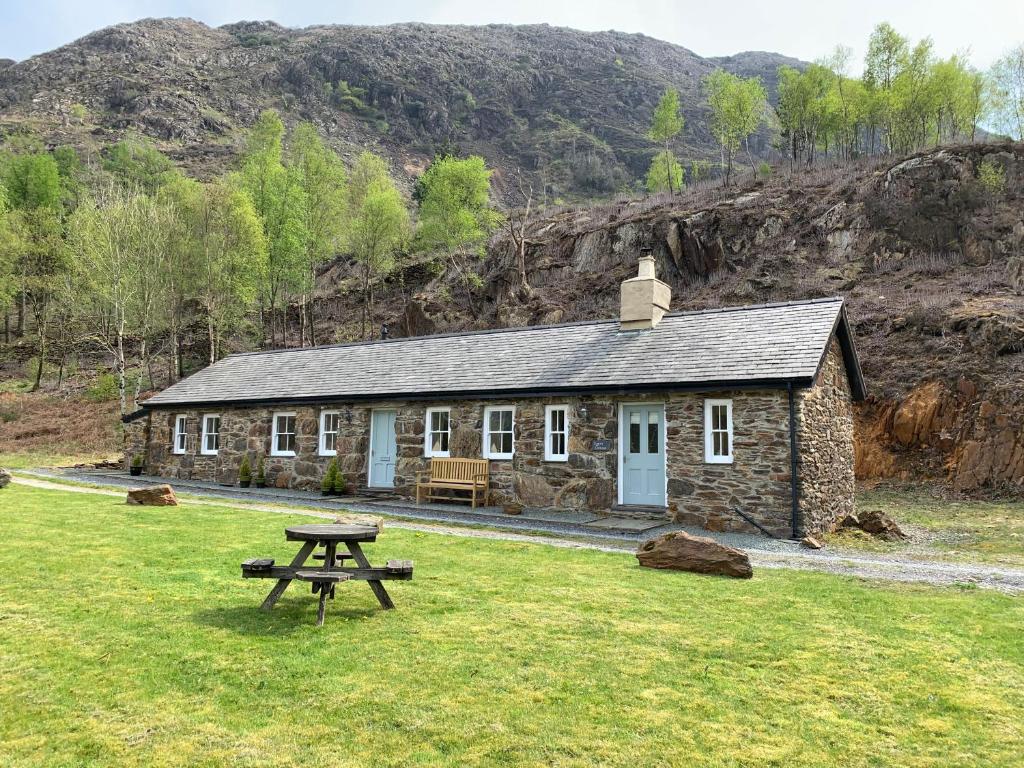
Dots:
(471, 475)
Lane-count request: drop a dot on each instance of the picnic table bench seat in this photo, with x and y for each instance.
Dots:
(471, 475)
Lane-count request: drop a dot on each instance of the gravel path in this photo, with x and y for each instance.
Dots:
(763, 552)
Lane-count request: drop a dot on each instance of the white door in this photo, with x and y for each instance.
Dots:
(642, 448)
(382, 450)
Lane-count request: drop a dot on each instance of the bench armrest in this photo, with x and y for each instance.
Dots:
(420, 474)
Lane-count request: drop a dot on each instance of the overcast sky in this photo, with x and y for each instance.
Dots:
(805, 29)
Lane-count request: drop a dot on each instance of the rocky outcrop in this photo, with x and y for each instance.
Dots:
(875, 522)
(153, 496)
(683, 552)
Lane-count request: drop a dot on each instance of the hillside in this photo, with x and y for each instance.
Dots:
(932, 268)
(571, 107)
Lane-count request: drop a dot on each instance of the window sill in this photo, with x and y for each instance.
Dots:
(178, 453)
(438, 455)
(283, 454)
(208, 453)
(321, 453)
(500, 457)
(556, 459)
(718, 460)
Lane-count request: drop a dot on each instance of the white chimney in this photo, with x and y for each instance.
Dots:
(645, 298)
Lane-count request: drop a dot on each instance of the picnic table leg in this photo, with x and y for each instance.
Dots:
(282, 584)
(378, 589)
(324, 589)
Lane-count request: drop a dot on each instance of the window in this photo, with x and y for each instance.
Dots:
(498, 438)
(329, 421)
(718, 431)
(438, 432)
(180, 434)
(211, 434)
(556, 433)
(282, 440)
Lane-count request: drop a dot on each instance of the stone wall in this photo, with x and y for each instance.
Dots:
(698, 493)
(826, 448)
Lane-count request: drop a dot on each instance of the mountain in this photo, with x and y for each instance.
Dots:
(571, 108)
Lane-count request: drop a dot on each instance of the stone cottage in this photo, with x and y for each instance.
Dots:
(710, 417)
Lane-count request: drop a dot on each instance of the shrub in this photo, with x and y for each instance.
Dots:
(327, 481)
(339, 484)
(104, 388)
(138, 459)
(261, 475)
(245, 470)
(764, 170)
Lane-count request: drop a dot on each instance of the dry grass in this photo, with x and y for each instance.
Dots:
(40, 428)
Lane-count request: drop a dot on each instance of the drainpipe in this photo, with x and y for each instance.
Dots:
(793, 480)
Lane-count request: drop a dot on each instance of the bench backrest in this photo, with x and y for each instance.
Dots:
(458, 470)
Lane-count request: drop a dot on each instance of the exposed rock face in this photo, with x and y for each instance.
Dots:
(682, 552)
(154, 496)
(5, 478)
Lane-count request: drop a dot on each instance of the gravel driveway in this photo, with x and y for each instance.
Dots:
(763, 552)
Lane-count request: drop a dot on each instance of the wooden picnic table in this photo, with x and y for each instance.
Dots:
(333, 571)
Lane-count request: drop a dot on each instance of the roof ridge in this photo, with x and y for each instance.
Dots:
(523, 328)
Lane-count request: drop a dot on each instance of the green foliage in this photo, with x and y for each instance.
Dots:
(261, 470)
(138, 460)
(330, 476)
(103, 389)
(279, 201)
(455, 210)
(700, 170)
(764, 170)
(667, 122)
(136, 162)
(338, 483)
(665, 173)
(245, 470)
(1007, 92)
(32, 181)
(992, 178)
(738, 108)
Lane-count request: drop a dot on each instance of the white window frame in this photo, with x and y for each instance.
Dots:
(709, 441)
(488, 410)
(206, 432)
(428, 451)
(274, 433)
(180, 434)
(322, 443)
(548, 432)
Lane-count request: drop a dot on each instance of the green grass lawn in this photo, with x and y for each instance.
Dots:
(127, 637)
(979, 531)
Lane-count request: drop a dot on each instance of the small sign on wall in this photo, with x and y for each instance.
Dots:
(601, 444)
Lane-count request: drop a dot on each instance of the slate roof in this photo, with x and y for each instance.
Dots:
(769, 344)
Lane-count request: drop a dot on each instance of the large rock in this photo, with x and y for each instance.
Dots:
(682, 552)
(153, 496)
(5, 477)
(877, 523)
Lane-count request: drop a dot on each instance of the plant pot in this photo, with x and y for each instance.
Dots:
(244, 483)
(326, 493)
(261, 483)
(135, 471)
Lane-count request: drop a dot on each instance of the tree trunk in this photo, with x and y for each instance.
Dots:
(121, 384)
(42, 357)
(210, 337)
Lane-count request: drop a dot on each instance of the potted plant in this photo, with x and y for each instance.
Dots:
(261, 475)
(137, 465)
(339, 481)
(327, 481)
(245, 473)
